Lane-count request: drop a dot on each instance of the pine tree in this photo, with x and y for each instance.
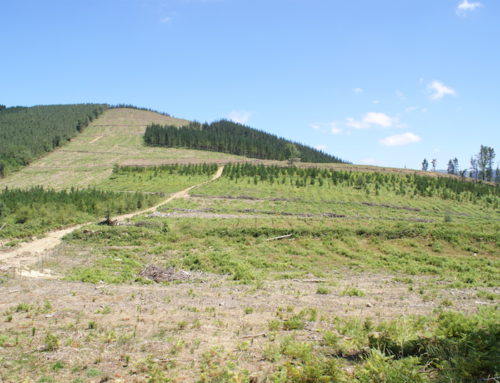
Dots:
(425, 165)
(474, 170)
(455, 166)
(451, 167)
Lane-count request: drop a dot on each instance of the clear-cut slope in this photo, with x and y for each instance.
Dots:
(116, 137)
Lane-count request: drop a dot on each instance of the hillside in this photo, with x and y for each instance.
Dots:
(116, 137)
(28, 132)
(230, 137)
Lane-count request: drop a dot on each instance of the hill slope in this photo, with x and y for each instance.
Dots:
(116, 137)
(28, 132)
(230, 137)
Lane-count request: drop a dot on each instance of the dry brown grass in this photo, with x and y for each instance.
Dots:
(120, 330)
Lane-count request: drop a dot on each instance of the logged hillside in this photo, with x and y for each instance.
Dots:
(230, 137)
(26, 133)
(116, 137)
(264, 274)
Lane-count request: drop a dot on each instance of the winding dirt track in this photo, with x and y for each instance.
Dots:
(28, 253)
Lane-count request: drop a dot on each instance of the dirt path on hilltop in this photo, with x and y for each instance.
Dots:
(28, 253)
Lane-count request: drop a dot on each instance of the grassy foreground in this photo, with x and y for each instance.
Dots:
(278, 275)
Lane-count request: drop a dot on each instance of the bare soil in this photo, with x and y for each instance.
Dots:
(116, 329)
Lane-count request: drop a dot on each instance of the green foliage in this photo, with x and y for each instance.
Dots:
(157, 179)
(380, 368)
(446, 188)
(33, 211)
(51, 342)
(353, 292)
(230, 137)
(28, 133)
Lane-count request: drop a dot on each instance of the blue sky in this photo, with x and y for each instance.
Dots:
(384, 82)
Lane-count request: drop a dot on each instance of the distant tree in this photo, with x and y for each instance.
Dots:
(434, 163)
(489, 167)
(463, 174)
(425, 165)
(497, 175)
(485, 159)
(456, 168)
(482, 161)
(2, 170)
(2, 107)
(292, 153)
(474, 170)
(451, 167)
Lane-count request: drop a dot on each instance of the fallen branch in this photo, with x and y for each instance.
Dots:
(3, 226)
(280, 237)
(309, 280)
(255, 336)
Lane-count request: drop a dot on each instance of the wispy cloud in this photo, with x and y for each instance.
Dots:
(321, 147)
(357, 90)
(380, 119)
(166, 19)
(371, 119)
(400, 139)
(336, 130)
(439, 90)
(240, 116)
(329, 127)
(466, 6)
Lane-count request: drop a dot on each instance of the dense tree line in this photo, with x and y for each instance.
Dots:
(26, 133)
(129, 106)
(26, 212)
(230, 137)
(370, 183)
(179, 169)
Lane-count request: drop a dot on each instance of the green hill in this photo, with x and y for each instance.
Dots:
(230, 137)
(27, 133)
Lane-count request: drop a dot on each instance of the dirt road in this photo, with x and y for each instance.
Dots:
(28, 253)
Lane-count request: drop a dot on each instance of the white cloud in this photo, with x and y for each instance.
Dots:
(380, 119)
(321, 147)
(466, 6)
(356, 124)
(370, 119)
(336, 130)
(376, 102)
(400, 139)
(357, 90)
(240, 116)
(322, 127)
(440, 90)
